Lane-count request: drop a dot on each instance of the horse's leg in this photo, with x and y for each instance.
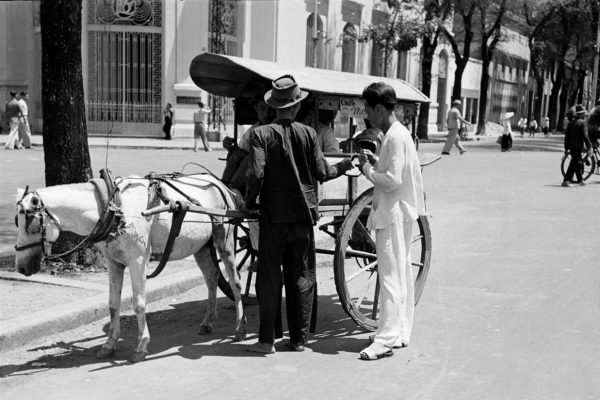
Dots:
(224, 243)
(211, 277)
(137, 269)
(115, 283)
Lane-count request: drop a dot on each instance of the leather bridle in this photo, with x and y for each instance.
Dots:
(40, 212)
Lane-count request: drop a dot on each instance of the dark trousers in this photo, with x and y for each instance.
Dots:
(506, 142)
(575, 166)
(291, 245)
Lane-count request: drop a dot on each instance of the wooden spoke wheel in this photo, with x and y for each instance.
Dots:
(244, 257)
(355, 263)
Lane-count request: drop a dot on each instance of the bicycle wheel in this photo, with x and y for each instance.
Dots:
(355, 263)
(589, 165)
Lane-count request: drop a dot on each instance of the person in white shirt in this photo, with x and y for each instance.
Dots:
(397, 203)
(24, 128)
(200, 116)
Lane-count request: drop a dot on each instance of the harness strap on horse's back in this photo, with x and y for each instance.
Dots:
(179, 210)
(111, 215)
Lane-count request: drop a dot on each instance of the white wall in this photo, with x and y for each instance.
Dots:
(291, 32)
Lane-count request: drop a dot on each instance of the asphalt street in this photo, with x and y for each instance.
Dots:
(511, 307)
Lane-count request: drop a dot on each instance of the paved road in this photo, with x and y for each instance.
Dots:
(511, 309)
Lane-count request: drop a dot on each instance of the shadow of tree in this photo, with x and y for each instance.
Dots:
(174, 333)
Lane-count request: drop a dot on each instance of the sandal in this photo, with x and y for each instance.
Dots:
(370, 354)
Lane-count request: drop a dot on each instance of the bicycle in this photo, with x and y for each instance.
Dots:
(591, 162)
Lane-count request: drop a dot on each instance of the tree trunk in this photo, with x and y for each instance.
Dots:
(539, 95)
(66, 152)
(554, 92)
(564, 97)
(428, 50)
(483, 95)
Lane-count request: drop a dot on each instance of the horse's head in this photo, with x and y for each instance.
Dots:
(36, 228)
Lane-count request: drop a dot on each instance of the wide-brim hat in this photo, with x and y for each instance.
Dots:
(507, 115)
(285, 93)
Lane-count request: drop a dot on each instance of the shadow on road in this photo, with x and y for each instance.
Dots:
(174, 333)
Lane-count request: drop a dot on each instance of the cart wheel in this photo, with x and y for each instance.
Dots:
(589, 165)
(355, 263)
(244, 256)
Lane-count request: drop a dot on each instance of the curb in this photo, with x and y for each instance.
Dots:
(18, 332)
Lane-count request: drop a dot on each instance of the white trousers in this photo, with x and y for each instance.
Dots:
(25, 132)
(397, 290)
(13, 137)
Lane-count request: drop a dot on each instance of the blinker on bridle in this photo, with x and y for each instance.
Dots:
(40, 212)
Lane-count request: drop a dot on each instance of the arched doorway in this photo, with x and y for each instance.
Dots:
(441, 90)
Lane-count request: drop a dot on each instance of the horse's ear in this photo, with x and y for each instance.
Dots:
(20, 193)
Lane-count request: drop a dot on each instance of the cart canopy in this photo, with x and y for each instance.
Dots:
(237, 77)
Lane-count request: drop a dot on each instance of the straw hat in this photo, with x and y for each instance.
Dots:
(285, 93)
(507, 115)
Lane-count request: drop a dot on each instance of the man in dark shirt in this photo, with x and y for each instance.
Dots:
(286, 165)
(576, 140)
(594, 123)
(13, 116)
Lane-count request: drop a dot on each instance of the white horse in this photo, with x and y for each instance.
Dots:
(42, 214)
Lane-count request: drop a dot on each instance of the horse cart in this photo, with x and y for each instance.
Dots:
(345, 203)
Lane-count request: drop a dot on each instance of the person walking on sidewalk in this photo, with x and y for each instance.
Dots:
(24, 128)
(576, 140)
(13, 116)
(506, 139)
(398, 201)
(454, 121)
(545, 125)
(522, 124)
(200, 119)
(286, 164)
(533, 127)
(168, 114)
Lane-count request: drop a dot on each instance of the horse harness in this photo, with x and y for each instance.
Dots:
(178, 208)
(108, 226)
(111, 220)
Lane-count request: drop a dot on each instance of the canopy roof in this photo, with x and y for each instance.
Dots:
(235, 77)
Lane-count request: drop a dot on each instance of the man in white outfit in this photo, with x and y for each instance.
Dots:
(397, 202)
(13, 116)
(24, 128)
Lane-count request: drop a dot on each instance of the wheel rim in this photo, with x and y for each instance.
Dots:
(355, 263)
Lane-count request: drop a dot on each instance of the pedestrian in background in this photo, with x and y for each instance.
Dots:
(200, 124)
(168, 115)
(24, 127)
(13, 116)
(454, 121)
(522, 124)
(506, 140)
(576, 141)
(286, 164)
(533, 127)
(397, 203)
(545, 125)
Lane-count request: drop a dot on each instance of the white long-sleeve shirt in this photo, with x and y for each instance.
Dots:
(397, 180)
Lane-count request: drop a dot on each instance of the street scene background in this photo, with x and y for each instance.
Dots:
(510, 310)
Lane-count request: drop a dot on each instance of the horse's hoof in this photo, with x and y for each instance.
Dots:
(239, 336)
(205, 330)
(105, 352)
(138, 356)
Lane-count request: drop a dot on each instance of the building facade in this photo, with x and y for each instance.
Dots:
(136, 56)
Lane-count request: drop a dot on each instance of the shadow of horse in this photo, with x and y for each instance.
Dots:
(175, 334)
